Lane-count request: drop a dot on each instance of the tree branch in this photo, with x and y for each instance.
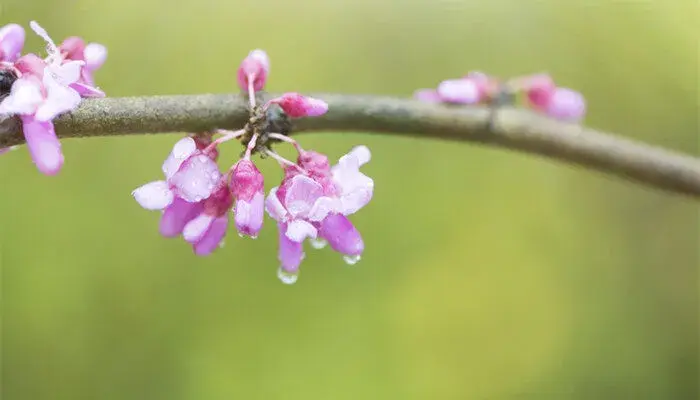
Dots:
(515, 129)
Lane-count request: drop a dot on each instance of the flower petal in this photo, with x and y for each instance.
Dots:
(274, 206)
(66, 73)
(212, 237)
(322, 207)
(298, 230)
(301, 195)
(59, 99)
(342, 235)
(196, 178)
(184, 148)
(86, 90)
(11, 42)
(177, 215)
(360, 154)
(43, 145)
(95, 55)
(25, 96)
(290, 253)
(248, 216)
(154, 195)
(197, 227)
(464, 91)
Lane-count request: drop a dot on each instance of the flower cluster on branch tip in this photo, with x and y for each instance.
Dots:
(311, 203)
(541, 94)
(37, 89)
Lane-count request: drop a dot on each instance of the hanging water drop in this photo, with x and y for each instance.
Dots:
(288, 278)
(351, 260)
(317, 243)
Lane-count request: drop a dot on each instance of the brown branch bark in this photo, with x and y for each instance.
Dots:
(511, 128)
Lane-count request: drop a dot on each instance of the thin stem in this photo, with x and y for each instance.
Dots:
(251, 91)
(287, 139)
(251, 146)
(513, 128)
(228, 135)
(283, 161)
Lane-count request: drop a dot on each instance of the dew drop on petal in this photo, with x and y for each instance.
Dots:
(317, 243)
(351, 260)
(288, 278)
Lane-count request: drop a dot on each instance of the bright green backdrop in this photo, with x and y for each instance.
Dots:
(487, 275)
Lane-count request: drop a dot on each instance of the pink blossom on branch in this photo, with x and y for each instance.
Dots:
(247, 187)
(253, 71)
(296, 105)
(542, 94)
(43, 90)
(314, 203)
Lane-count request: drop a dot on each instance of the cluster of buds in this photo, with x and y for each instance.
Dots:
(312, 202)
(37, 90)
(541, 94)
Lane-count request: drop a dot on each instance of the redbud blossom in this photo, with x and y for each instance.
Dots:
(296, 105)
(254, 69)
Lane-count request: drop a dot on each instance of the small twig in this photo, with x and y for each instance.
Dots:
(511, 128)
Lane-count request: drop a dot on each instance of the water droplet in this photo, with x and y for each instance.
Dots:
(318, 243)
(288, 278)
(221, 244)
(198, 199)
(351, 260)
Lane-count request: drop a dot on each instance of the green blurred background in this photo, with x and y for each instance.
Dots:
(487, 275)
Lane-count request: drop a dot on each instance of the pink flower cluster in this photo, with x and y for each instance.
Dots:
(37, 90)
(312, 202)
(541, 94)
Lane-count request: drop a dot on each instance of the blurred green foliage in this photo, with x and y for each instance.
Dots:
(488, 274)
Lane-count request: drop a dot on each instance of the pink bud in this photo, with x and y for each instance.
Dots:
(255, 66)
(566, 104)
(296, 105)
(11, 42)
(463, 91)
(539, 89)
(247, 186)
(246, 180)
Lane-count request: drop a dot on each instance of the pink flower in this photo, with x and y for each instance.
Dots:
(189, 174)
(470, 89)
(93, 55)
(557, 102)
(254, 70)
(247, 187)
(297, 203)
(11, 42)
(45, 90)
(207, 230)
(296, 105)
(313, 204)
(185, 193)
